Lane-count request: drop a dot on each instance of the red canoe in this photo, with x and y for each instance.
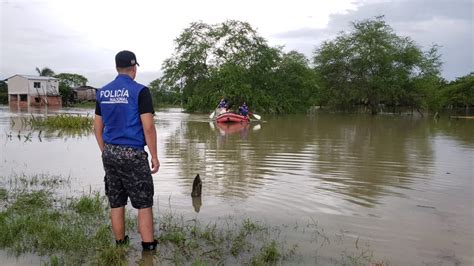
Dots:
(231, 118)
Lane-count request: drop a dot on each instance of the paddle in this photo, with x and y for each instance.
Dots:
(256, 116)
(212, 115)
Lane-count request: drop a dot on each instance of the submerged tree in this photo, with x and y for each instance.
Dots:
(163, 94)
(458, 93)
(372, 65)
(223, 59)
(295, 85)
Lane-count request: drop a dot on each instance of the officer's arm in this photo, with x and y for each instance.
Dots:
(150, 139)
(98, 130)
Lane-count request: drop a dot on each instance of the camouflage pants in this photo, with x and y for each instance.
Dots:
(127, 175)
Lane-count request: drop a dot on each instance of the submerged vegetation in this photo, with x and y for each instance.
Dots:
(61, 121)
(57, 126)
(77, 230)
(68, 229)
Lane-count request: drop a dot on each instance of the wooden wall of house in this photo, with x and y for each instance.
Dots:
(85, 95)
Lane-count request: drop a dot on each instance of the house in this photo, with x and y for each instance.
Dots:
(83, 93)
(25, 90)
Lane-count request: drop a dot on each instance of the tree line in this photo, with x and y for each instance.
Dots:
(369, 68)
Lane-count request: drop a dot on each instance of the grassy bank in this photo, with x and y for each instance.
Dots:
(76, 230)
(67, 230)
(88, 105)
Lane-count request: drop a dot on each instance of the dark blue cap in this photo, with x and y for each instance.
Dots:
(125, 59)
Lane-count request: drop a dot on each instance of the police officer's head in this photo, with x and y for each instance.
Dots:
(126, 63)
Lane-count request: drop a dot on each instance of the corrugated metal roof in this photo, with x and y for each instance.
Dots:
(31, 77)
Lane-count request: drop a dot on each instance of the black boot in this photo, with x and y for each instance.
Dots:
(149, 245)
(122, 242)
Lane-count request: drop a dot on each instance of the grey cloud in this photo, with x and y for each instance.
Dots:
(30, 38)
(101, 78)
(394, 12)
(446, 23)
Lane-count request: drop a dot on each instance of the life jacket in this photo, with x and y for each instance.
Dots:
(244, 110)
(119, 109)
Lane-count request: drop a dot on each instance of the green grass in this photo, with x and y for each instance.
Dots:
(269, 254)
(61, 121)
(87, 205)
(37, 222)
(228, 242)
(3, 194)
(88, 104)
(77, 231)
(23, 181)
(57, 126)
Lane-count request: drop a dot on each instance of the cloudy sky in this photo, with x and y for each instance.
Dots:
(83, 36)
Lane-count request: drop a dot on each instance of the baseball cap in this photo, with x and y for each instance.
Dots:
(125, 59)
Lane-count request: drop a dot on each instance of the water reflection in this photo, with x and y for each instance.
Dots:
(195, 148)
(147, 258)
(45, 110)
(226, 129)
(367, 174)
(197, 203)
(355, 158)
(364, 158)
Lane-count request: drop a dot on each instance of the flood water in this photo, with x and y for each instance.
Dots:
(401, 184)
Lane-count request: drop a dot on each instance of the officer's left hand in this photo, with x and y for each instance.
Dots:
(155, 165)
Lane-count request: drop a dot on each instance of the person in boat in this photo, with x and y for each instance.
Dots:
(244, 110)
(223, 106)
(223, 103)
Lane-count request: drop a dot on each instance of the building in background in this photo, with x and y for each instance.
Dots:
(25, 90)
(83, 93)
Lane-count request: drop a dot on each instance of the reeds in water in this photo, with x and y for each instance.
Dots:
(61, 121)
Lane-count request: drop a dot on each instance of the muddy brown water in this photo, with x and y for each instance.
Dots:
(401, 184)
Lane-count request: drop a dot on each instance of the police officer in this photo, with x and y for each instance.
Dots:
(123, 125)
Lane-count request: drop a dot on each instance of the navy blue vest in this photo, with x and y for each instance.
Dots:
(119, 108)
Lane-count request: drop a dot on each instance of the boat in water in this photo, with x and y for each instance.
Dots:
(229, 117)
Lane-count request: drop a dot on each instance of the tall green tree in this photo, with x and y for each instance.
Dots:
(371, 65)
(68, 81)
(71, 80)
(458, 93)
(224, 59)
(45, 72)
(162, 94)
(295, 85)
